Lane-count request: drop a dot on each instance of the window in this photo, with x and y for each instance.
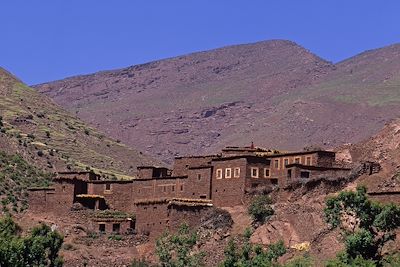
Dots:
(199, 176)
(308, 161)
(181, 187)
(228, 173)
(107, 187)
(276, 164)
(173, 188)
(289, 173)
(164, 188)
(285, 162)
(304, 174)
(63, 188)
(266, 172)
(219, 174)
(102, 227)
(236, 172)
(203, 196)
(254, 172)
(116, 227)
(297, 160)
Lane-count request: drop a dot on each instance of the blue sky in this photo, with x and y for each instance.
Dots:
(51, 39)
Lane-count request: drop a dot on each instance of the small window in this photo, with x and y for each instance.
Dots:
(254, 172)
(285, 162)
(308, 161)
(289, 173)
(116, 227)
(173, 188)
(304, 174)
(63, 188)
(219, 174)
(102, 227)
(164, 188)
(203, 196)
(297, 160)
(199, 176)
(266, 172)
(181, 187)
(236, 172)
(276, 164)
(228, 173)
(107, 187)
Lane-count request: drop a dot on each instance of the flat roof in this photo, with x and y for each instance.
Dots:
(195, 157)
(300, 153)
(151, 167)
(241, 157)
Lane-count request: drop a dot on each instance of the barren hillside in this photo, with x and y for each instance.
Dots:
(33, 126)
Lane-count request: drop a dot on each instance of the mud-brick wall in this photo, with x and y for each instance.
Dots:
(63, 198)
(228, 192)
(280, 171)
(152, 218)
(181, 165)
(326, 159)
(119, 195)
(124, 226)
(189, 215)
(336, 173)
(38, 199)
(198, 184)
(142, 189)
(262, 180)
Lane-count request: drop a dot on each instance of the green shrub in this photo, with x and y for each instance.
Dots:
(376, 225)
(260, 208)
(39, 248)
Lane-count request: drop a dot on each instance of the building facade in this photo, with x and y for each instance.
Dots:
(161, 198)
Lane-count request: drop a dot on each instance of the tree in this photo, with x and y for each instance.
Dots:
(176, 250)
(250, 255)
(366, 226)
(39, 248)
(260, 208)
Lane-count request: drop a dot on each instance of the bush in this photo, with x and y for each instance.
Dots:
(251, 255)
(176, 250)
(376, 224)
(260, 208)
(39, 248)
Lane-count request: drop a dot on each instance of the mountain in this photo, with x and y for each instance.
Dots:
(45, 135)
(275, 93)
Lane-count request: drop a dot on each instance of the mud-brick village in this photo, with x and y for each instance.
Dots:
(160, 198)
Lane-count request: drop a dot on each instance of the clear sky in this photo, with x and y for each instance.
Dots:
(46, 40)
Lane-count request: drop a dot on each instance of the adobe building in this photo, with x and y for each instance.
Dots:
(162, 199)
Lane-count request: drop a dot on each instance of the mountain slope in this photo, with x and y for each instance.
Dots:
(274, 93)
(44, 134)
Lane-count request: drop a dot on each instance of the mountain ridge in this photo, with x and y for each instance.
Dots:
(200, 102)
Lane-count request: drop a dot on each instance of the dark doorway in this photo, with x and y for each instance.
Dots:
(116, 227)
(304, 174)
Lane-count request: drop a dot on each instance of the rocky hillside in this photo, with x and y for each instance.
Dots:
(33, 126)
(274, 93)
